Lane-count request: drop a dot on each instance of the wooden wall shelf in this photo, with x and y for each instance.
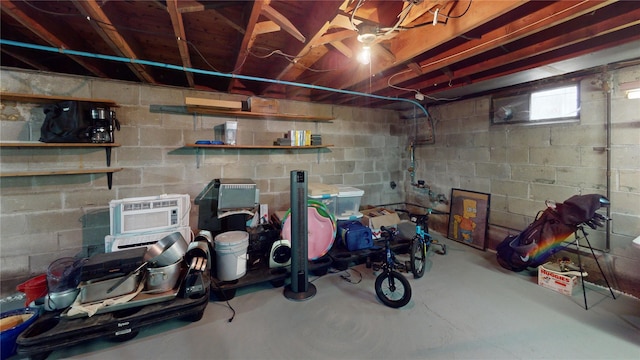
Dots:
(59, 172)
(256, 115)
(19, 144)
(200, 147)
(270, 147)
(47, 99)
(37, 144)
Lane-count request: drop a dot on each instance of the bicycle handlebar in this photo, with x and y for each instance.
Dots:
(387, 230)
(429, 211)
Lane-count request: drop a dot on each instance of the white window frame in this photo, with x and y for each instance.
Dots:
(516, 108)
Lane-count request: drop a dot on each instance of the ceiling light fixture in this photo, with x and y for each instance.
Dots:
(366, 36)
(367, 33)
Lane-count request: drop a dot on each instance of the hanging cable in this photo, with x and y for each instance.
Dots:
(204, 72)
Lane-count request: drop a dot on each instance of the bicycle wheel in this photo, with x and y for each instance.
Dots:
(418, 257)
(393, 289)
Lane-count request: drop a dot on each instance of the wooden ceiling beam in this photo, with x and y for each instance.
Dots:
(377, 49)
(181, 38)
(336, 36)
(421, 9)
(228, 21)
(246, 43)
(411, 43)
(265, 27)
(104, 27)
(342, 48)
(26, 60)
(343, 21)
(189, 6)
(43, 33)
(439, 82)
(273, 15)
(562, 40)
(527, 58)
(314, 49)
(542, 19)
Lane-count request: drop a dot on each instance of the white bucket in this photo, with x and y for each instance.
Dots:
(231, 255)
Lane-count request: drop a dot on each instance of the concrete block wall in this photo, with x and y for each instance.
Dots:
(47, 217)
(43, 218)
(522, 166)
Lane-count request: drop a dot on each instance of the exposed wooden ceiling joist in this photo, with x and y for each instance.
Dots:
(104, 27)
(41, 30)
(315, 43)
(534, 22)
(411, 43)
(181, 38)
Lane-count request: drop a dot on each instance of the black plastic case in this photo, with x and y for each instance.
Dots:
(108, 264)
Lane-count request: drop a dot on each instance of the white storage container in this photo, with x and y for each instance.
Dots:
(326, 194)
(348, 203)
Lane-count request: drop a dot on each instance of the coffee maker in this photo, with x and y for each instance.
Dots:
(103, 121)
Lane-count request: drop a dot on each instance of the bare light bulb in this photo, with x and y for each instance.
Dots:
(365, 55)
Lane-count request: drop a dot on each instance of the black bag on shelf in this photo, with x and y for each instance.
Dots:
(66, 122)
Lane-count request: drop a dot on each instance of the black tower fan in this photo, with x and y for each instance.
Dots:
(300, 287)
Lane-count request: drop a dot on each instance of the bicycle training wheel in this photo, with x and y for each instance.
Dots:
(393, 289)
(418, 258)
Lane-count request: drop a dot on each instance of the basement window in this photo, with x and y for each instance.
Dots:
(553, 105)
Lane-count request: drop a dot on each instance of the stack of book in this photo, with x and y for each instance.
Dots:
(299, 138)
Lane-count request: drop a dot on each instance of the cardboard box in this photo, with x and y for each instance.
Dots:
(266, 106)
(556, 281)
(377, 217)
(192, 102)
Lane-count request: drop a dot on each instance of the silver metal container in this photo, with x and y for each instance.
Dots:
(96, 290)
(163, 278)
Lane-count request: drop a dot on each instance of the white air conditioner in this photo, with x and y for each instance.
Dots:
(153, 213)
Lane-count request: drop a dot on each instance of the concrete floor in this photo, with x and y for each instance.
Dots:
(465, 307)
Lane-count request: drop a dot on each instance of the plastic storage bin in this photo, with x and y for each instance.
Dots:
(348, 203)
(326, 194)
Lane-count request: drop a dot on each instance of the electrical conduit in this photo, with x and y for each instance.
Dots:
(205, 72)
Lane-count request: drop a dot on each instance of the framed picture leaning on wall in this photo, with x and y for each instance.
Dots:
(468, 217)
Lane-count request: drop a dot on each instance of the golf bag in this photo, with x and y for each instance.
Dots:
(545, 236)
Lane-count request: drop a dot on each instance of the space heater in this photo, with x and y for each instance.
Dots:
(300, 288)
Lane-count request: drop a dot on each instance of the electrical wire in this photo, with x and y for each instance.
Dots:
(204, 72)
(346, 276)
(292, 59)
(353, 14)
(233, 314)
(436, 14)
(454, 16)
(401, 17)
(510, 34)
(140, 31)
(28, 3)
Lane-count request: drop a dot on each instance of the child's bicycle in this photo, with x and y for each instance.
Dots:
(392, 288)
(422, 241)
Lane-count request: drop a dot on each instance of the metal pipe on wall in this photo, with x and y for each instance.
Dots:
(205, 72)
(608, 86)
